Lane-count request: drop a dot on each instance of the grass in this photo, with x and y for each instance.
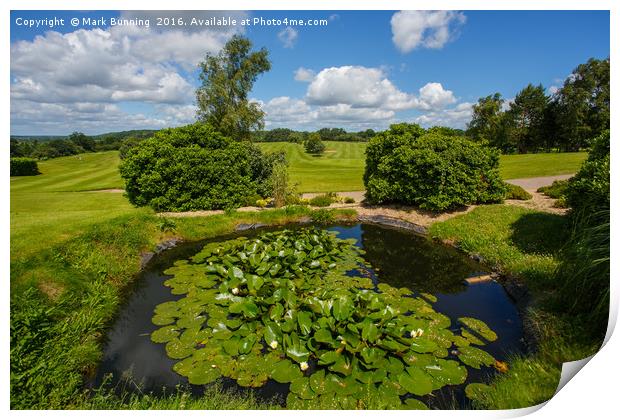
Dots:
(74, 253)
(54, 206)
(540, 164)
(526, 245)
(339, 168)
(515, 240)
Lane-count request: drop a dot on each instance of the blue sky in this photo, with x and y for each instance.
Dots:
(364, 69)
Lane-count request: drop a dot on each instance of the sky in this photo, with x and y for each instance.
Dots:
(350, 69)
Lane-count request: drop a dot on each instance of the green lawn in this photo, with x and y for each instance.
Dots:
(540, 164)
(340, 168)
(53, 206)
(342, 165)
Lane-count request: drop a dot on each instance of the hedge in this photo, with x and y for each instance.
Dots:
(24, 167)
(432, 170)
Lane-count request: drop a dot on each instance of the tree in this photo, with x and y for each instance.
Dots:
(82, 140)
(583, 104)
(527, 119)
(314, 145)
(227, 79)
(488, 123)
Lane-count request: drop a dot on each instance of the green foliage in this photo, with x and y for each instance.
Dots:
(565, 121)
(314, 145)
(282, 307)
(526, 119)
(584, 275)
(432, 171)
(583, 104)
(515, 192)
(322, 200)
(279, 184)
(349, 200)
(227, 79)
(556, 190)
(194, 168)
(24, 167)
(589, 190)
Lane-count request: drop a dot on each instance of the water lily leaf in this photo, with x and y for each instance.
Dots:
(245, 345)
(448, 372)
(298, 352)
(274, 269)
(304, 319)
(176, 349)
(423, 345)
(323, 335)
(413, 404)
(479, 327)
(276, 312)
(254, 282)
(468, 338)
(294, 402)
(203, 374)
(235, 273)
(342, 308)
(263, 268)
(301, 387)
(370, 332)
(329, 357)
(318, 382)
(231, 346)
(164, 334)
(285, 371)
(475, 357)
(272, 334)
(416, 381)
(476, 391)
(342, 365)
(372, 355)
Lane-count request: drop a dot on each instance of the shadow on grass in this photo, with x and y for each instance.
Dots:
(540, 233)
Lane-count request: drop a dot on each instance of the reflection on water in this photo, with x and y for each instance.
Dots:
(396, 257)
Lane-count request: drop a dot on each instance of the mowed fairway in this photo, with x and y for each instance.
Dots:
(58, 204)
(64, 200)
(340, 168)
(540, 164)
(342, 165)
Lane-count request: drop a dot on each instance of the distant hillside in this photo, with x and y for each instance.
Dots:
(114, 135)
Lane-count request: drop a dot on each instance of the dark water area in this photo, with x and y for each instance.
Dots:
(399, 258)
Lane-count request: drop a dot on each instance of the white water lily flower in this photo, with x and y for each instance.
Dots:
(273, 344)
(303, 366)
(417, 333)
(235, 291)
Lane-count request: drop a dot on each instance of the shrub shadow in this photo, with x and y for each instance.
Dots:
(540, 233)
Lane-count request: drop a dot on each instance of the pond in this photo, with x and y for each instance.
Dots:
(433, 272)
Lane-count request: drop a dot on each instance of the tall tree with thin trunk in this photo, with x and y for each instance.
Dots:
(227, 79)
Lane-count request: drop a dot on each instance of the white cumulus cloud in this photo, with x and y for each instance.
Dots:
(413, 29)
(304, 75)
(288, 37)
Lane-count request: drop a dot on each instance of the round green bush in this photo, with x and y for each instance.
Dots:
(24, 167)
(432, 170)
(194, 168)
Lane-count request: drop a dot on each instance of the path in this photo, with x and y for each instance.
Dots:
(532, 184)
(538, 201)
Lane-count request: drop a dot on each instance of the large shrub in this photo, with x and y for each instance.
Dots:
(314, 145)
(584, 275)
(432, 170)
(24, 166)
(588, 191)
(194, 168)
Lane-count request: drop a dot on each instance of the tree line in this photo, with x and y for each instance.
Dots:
(76, 143)
(565, 120)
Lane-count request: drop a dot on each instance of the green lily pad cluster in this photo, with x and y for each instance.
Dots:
(291, 306)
